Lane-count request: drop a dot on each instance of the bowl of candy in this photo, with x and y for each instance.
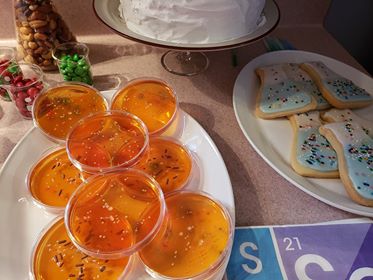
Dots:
(26, 81)
(7, 63)
(73, 63)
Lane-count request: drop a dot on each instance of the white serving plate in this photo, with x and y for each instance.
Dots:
(21, 221)
(272, 138)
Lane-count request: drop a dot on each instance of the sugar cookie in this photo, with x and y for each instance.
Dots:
(295, 73)
(312, 155)
(339, 91)
(346, 115)
(355, 159)
(279, 96)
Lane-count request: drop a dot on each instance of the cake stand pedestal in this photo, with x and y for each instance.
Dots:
(184, 59)
(185, 63)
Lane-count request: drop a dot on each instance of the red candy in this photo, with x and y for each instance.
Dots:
(17, 79)
(22, 90)
(32, 92)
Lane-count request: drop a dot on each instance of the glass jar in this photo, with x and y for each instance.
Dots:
(27, 83)
(7, 68)
(73, 62)
(39, 30)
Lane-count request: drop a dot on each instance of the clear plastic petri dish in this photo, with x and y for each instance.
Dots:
(169, 162)
(59, 108)
(107, 141)
(54, 256)
(52, 180)
(104, 217)
(150, 99)
(194, 241)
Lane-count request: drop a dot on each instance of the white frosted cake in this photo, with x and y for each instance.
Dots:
(192, 21)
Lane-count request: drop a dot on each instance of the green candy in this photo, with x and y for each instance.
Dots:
(63, 65)
(66, 78)
(87, 80)
(76, 57)
(71, 64)
(65, 57)
(80, 72)
(82, 62)
(75, 68)
(76, 79)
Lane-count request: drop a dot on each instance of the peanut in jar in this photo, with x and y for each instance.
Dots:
(39, 28)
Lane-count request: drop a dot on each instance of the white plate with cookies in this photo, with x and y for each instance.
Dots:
(272, 138)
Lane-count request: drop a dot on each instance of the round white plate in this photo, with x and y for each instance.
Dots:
(272, 138)
(21, 221)
(107, 11)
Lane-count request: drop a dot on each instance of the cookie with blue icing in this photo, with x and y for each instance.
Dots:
(280, 96)
(295, 73)
(312, 155)
(355, 159)
(346, 115)
(342, 93)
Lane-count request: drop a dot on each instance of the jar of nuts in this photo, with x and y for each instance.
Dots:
(39, 30)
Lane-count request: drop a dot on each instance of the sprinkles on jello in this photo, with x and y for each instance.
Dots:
(105, 216)
(52, 180)
(58, 109)
(107, 141)
(193, 241)
(168, 162)
(152, 100)
(55, 257)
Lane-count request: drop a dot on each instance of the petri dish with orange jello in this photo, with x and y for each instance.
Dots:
(107, 141)
(194, 240)
(55, 257)
(104, 217)
(52, 180)
(151, 99)
(168, 161)
(59, 108)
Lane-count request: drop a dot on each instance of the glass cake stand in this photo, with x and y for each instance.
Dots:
(184, 59)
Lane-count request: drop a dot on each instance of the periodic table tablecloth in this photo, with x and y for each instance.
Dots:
(332, 251)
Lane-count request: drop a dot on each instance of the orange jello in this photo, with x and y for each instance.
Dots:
(168, 161)
(58, 109)
(107, 141)
(52, 180)
(152, 100)
(105, 217)
(55, 257)
(194, 239)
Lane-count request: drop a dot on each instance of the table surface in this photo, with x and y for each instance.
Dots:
(262, 196)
